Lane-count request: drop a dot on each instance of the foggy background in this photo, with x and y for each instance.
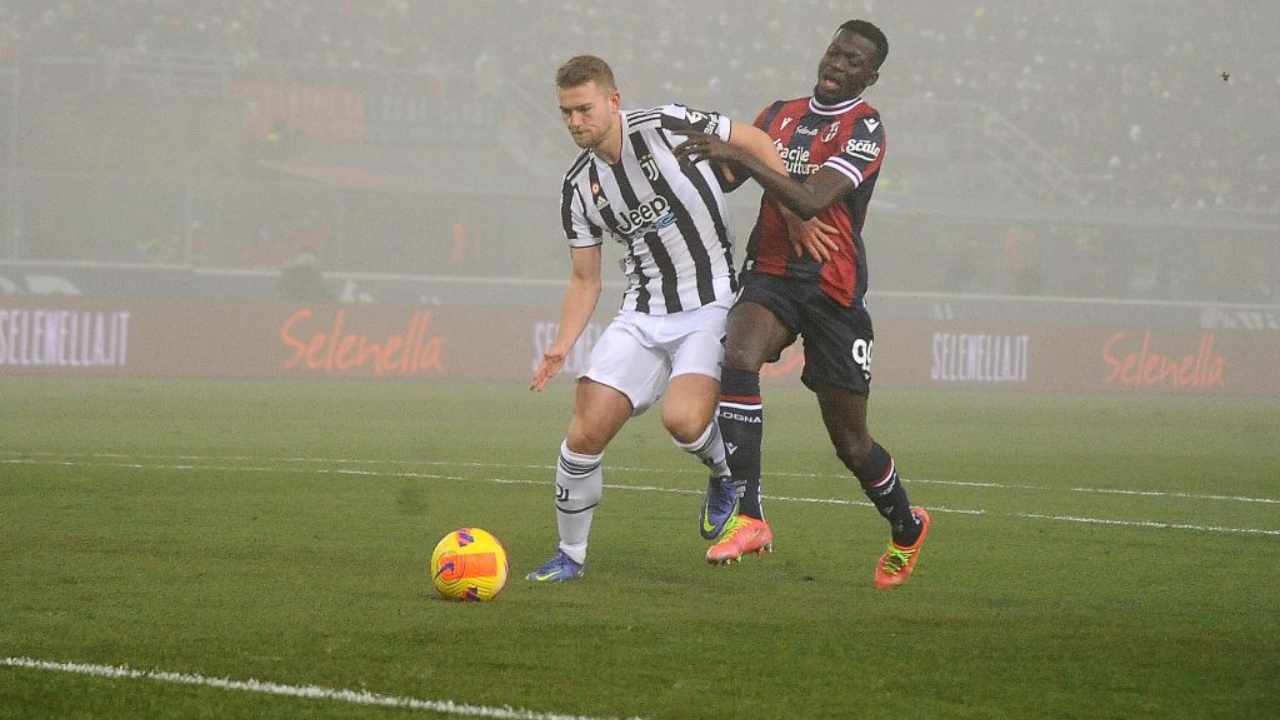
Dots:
(1089, 149)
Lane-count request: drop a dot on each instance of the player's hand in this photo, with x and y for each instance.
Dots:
(547, 369)
(812, 236)
(699, 146)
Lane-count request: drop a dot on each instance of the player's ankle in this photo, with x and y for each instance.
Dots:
(905, 534)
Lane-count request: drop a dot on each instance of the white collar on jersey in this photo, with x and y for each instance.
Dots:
(818, 107)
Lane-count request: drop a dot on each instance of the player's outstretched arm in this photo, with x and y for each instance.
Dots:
(579, 303)
(807, 235)
(755, 142)
(805, 199)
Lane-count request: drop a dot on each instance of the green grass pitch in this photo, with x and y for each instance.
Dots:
(1112, 556)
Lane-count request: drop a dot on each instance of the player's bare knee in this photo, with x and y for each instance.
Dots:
(581, 440)
(741, 358)
(684, 425)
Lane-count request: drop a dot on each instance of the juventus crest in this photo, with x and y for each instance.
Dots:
(650, 167)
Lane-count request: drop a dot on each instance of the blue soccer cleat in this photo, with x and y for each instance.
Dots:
(559, 568)
(719, 506)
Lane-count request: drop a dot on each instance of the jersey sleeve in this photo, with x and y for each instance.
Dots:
(679, 117)
(862, 153)
(578, 228)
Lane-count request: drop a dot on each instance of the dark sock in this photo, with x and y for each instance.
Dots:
(742, 425)
(880, 482)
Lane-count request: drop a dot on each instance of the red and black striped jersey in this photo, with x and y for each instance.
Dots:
(847, 137)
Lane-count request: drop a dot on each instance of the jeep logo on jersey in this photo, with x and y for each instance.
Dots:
(863, 148)
(652, 215)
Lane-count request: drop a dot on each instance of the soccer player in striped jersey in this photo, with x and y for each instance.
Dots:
(670, 217)
(833, 143)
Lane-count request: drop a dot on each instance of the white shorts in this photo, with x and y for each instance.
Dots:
(638, 354)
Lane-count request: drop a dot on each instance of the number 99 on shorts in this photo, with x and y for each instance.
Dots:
(862, 356)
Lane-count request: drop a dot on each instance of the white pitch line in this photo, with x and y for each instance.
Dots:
(433, 476)
(1158, 493)
(650, 470)
(311, 692)
(637, 488)
(1147, 524)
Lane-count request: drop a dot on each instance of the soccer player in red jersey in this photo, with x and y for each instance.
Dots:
(833, 144)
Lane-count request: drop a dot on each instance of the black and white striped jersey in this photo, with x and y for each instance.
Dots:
(671, 217)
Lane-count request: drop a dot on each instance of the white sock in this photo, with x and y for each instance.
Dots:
(709, 448)
(579, 486)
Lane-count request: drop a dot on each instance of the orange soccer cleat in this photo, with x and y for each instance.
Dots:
(744, 534)
(896, 564)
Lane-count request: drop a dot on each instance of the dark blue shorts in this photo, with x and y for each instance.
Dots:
(837, 339)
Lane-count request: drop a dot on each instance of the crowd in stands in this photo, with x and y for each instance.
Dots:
(1151, 103)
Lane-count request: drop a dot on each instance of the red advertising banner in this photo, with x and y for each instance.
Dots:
(196, 338)
(1075, 357)
(76, 336)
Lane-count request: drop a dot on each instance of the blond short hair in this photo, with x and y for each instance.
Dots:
(583, 69)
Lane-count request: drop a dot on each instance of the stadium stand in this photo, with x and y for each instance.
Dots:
(1078, 109)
